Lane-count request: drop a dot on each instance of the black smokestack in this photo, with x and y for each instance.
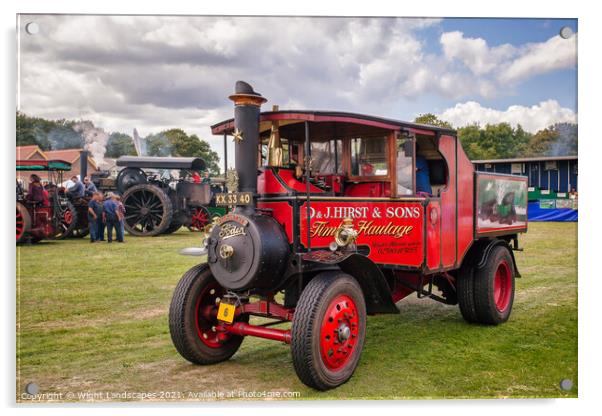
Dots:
(246, 134)
(83, 164)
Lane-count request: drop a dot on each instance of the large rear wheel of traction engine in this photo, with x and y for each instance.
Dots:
(494, 287)
(192, 319)
(328, 330)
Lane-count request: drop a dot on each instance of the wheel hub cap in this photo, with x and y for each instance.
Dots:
(344, 333)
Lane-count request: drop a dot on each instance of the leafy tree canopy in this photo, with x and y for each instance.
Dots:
(432, 120)
(120, 144)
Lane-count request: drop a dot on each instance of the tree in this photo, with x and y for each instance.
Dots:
(557, 140)
(48, 134)
(432, 120)
(470, 137)
(120, 144)
(176, 142)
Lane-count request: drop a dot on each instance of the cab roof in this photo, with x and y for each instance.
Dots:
(287, 117)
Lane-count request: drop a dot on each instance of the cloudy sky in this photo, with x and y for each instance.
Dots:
(155, 73)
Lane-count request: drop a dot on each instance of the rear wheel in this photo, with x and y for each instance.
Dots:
(465, 291)
(148, 210)
(65, 219)
(328, 330)
(23, 222)
(494, 287)
(486, 294)
(193, 319)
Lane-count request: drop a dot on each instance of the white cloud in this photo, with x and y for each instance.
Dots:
(474, 52)
(539, 58)
(507, 63)
(532, 118)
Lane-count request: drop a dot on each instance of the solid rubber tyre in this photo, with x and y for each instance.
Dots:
(184, 320)
(494, 287)
(307, 332)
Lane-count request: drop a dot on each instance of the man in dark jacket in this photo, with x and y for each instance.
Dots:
(94, 216)
(76, 190)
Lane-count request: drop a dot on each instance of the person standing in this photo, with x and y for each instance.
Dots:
(94, 213)
(100, 222)
(120, 216)
(111, 220)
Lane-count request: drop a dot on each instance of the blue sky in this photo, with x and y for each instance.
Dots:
(560, 84)
(160, 72)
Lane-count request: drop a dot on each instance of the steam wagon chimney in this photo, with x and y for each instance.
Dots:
(246, 135)
(83, 164)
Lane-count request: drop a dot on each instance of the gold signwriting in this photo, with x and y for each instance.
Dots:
(231, 230)
(364, 227)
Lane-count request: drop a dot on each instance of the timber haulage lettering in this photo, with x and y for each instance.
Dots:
(364, 227)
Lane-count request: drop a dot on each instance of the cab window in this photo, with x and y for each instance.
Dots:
(326, 156)
(369, 156)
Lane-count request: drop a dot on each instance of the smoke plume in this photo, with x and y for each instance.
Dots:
(95, 140)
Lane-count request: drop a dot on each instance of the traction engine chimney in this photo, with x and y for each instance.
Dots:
(247, 105)
(83, 164)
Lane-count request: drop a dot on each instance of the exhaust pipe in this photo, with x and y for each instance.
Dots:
(83, 164)
(247, 104)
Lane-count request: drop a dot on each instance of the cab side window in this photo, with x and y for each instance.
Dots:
(369, 156)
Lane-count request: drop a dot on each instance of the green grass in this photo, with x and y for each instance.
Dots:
(93, 318)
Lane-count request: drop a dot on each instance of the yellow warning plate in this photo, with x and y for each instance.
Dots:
(226, 312)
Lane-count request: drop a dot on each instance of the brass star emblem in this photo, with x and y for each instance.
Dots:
(237, 136)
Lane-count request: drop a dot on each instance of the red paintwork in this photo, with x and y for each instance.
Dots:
(392, 229)
(502, 286)
(336, 344)
(447, 148)
(433, 235)
(267, 308)
(268, 183)
(243, 329)
(369, 189)
(465, 204)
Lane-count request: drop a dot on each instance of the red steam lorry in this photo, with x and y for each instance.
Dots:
(337, 216)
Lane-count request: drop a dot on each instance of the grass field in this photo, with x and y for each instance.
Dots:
(92, 318)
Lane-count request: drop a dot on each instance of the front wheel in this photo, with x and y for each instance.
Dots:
(193, 319)
(328, 330)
